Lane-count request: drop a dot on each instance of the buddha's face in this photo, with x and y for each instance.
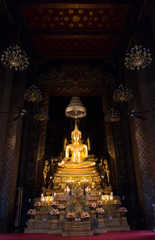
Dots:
(76, 137)
(105, 161)
(46, 163)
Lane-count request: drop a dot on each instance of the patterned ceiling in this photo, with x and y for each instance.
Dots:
(90, 30)
(75, 16)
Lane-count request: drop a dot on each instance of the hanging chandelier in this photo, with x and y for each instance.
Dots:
(42, 115)
(75, 108)
(138, 58)
(112, 116)
(33, 94)
(14, 57)
(122, 94)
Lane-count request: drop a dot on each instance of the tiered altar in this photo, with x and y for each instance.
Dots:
(77, 205)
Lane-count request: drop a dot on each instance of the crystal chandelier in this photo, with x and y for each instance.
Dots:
(42, 115)
(138, 58)
(112, 116)
(122, 94)
(14, 57)
(75, 108)
(33, 94)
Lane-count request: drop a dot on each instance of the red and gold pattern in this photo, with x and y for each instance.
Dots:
(75, 16)
(75, 28)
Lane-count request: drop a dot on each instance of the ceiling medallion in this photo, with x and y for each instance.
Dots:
(14, 57)
(138, 58)
(122, 94)
(42, 115)
(33, 94)
(112, 116)
(75, 108)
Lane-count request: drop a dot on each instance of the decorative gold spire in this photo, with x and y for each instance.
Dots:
(76, 127)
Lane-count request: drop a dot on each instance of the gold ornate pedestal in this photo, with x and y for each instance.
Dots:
(107, 225)
(77, 229)
(40, 226)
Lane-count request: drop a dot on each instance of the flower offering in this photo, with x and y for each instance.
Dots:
(61, 206)
(117, 202)
(92, 205)
(37, 204)
(31, 212)
(71, 215)
(54, 204)
(122, 211)
(100, 203)
(54, 212)
(85, 215)
(100, 211)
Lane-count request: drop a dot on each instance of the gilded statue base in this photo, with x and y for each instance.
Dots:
(76, 228)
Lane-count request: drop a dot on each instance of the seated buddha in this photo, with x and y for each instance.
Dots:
(76, 153)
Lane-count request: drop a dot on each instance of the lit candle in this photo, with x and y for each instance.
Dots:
(111, 196)
(103, 198)
(41, 197)
(43, 201)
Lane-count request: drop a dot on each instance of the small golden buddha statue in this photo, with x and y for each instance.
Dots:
(107, 171)
(46, 170)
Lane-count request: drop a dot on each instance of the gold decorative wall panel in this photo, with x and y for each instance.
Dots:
(76, 79)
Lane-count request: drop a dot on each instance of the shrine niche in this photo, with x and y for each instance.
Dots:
(77, 192)
(59, 127)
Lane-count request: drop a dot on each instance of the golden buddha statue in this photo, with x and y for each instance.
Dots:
(76, 153)
(77, 150)
(77, 167)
